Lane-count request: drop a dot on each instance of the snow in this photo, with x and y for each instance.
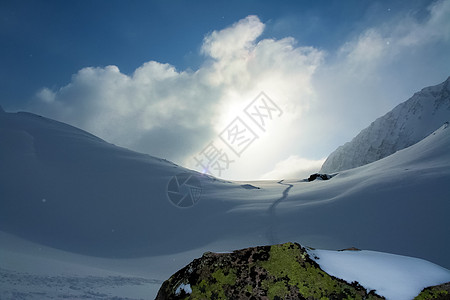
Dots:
(398, 205)
(34, 271)
(392, 276)
(184, 287)
(107, 218)
(405, 125)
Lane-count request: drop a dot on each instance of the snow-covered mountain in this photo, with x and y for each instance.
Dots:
(73, 199)
(405, 125)
(63, 187)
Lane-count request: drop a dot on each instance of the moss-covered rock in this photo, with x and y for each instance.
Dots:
(438, 292)
(269, 272)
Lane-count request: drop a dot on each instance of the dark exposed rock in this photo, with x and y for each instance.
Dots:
(250, 187)
(350, 249)
(268, 272)
(319, 176)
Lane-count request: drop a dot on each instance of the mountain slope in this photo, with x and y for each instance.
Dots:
(402, 127)
(67, 189)
(398, 204)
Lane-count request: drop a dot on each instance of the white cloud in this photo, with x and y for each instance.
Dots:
(125, 109)
(170, 113)
(367, 49)
(380, 67)
(294, 167)
(382, 44)
(327, 98)
(410, 32)
(234, 41)
(46, 95)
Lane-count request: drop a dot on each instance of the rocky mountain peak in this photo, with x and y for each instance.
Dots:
(405, 125)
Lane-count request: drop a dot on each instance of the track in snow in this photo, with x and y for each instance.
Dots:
(272, 216)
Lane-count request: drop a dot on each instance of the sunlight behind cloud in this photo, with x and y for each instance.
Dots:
(158, 99)
(326, 97)
(294, 167)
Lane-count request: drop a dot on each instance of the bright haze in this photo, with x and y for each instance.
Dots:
(169, 78)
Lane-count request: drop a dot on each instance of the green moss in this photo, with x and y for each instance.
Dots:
(213, 289)
(429, 294)
(203, 290)
(249, 288)
(278, 272)
(288, 260)
(277, 289)
(223, 279)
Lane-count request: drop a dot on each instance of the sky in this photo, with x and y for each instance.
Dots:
(240, 89)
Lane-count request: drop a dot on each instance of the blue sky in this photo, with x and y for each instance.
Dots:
(44, 42)
(344, 62)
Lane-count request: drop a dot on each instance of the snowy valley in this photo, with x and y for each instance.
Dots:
(84, 219)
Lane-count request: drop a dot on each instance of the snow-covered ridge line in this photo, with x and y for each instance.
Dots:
(405, 125)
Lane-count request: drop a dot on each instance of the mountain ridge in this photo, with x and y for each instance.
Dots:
(403, 126)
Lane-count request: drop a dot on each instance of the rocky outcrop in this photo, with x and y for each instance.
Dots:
(319, 176)
(268, 272)
(250, 187)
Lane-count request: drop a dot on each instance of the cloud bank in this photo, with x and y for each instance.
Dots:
(327, 97)
(294, 167)
(173, 114)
